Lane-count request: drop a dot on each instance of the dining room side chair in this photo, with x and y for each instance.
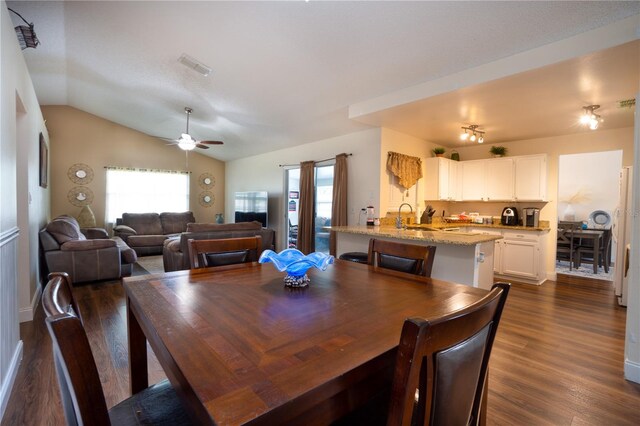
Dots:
(441, 364)
(566, 245)
(225, 251)
(586, 252)
(81, 391)
(411, 258)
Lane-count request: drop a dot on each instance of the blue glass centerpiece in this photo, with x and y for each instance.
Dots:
(296, 264)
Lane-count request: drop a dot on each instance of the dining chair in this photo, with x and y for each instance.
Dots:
(446, 361)
(80, 387)
(226, 251)
(440, 369)
(411, 258)
(586, 251)
(565, 244)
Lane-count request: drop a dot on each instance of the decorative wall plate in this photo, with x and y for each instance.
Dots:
(80, 173)
(206, 181)
(206, 199)
(80, 196)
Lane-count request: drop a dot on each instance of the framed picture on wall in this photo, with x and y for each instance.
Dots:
(44, 162)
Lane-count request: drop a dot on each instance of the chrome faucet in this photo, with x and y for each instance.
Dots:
(399, 218)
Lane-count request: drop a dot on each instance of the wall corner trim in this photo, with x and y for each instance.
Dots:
(631, 371)
(12, 372)
(26, 314)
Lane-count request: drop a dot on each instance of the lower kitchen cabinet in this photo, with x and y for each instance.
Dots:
(519, 255)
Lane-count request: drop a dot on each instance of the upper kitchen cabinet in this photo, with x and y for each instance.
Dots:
(499, 180)
(442, 179)
(473, 180)
(531, 178)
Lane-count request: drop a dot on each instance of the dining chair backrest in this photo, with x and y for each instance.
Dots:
(227, 251)
(61, 300)
(566, 230)
(80, 387)
(446, 361)
(411, 258)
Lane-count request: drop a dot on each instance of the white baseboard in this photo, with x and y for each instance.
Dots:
(12, 371)
(26, 314)
(631, 371)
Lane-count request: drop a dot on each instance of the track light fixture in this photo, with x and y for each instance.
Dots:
(590, 118)
(472, 133)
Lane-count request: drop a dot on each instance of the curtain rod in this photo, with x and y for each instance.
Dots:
(317, 161)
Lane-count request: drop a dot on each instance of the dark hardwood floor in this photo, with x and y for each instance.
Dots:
(557, 360)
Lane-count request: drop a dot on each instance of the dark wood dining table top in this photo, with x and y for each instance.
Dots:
(239, 347)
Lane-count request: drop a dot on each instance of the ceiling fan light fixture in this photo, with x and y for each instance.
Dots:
(464, 136)
(472, 138)
(481, 139)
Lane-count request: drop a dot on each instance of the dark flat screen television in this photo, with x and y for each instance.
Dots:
(250, 206)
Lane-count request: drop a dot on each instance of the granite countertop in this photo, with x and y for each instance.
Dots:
(544, 226)
(431, 236)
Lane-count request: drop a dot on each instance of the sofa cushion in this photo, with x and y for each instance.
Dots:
(63, 229)
(143, 223)
(74, 245)
(146, 240)
(174, 223)
(214, 227)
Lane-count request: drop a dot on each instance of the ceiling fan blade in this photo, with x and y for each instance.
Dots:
(199, 145)
(212, 142)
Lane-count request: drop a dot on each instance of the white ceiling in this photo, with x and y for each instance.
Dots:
(285, 73)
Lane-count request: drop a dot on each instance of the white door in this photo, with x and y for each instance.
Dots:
(520, 258)
(472, 180)
(499, 179)
(531, 178)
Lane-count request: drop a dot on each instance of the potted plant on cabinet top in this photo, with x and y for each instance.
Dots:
(498, 151)
(439, 152)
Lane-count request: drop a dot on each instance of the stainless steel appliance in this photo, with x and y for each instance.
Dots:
(531, 216)
(510, 216)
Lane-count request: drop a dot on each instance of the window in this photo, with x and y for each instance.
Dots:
(145, 191)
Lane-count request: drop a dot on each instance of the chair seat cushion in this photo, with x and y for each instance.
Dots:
(157, 405)
(146, 240)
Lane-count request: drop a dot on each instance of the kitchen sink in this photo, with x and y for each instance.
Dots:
(422, 228)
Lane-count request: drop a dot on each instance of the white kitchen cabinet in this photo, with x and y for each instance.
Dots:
(441, 179)
(519, 255)
(531, 178)
(473, 180)
(499, 180)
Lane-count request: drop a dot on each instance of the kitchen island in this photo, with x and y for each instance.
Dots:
(462, 257)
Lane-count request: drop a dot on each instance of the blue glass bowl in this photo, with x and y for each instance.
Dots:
(296, 264)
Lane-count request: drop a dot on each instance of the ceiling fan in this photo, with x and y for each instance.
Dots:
(186, 142)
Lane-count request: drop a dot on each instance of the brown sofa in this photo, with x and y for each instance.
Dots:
(146, 232)
(175, 254)
(86, 254)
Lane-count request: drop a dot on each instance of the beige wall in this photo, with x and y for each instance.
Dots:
(79, 137)
(395, 141)
(589, 141)
(262, 173)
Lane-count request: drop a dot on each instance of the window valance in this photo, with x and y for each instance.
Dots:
(406, 168)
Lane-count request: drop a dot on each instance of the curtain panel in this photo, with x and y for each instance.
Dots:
(306, 242)
(339, 202)
(406, 168)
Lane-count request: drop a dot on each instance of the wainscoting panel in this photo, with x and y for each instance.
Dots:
(10, 344)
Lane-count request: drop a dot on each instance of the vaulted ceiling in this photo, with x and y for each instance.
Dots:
(286, 73)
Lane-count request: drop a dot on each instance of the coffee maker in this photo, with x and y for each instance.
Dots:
(510, 216)
(531, 216)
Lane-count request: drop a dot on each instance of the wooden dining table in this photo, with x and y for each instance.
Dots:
(593, 235)
(241, 348)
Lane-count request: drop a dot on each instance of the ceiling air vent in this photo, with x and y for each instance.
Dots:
(627, 103)
(194, 64)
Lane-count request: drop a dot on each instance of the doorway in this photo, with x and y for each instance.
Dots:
(588, 197)
(323, 202)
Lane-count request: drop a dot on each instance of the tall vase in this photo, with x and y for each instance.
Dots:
(219, 218)
(569, 214)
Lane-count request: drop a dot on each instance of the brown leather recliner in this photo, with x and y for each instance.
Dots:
(87, 254)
